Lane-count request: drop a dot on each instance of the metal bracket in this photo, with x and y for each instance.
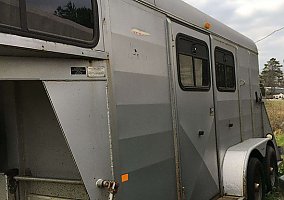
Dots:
(111, 186)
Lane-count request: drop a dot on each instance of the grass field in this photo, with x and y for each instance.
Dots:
(275, 110)
(280, 139)
(280, 142)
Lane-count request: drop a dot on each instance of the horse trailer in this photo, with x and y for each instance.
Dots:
(129, 100)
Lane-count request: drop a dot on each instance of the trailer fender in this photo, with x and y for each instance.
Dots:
(236, 162)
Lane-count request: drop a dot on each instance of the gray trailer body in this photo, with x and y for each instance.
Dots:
(126, 118)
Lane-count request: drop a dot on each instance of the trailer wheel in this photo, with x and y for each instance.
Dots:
(255, 180)
(271, 169)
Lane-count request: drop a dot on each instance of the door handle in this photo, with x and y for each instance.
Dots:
(212, 111)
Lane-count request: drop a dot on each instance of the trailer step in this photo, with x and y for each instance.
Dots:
(48, 180)
(39, 197)
(231, 198)
(51, 188)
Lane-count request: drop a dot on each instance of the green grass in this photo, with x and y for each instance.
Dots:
(280, 142)
(280, 139)
(275, 110)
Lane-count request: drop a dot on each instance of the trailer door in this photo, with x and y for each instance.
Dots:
(195, 113)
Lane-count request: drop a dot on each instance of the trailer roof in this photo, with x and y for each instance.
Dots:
(193, 16)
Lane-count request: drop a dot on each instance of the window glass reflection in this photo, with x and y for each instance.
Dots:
(69, 18)
(10, 12)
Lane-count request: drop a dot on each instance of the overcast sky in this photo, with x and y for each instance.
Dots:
(253, 18)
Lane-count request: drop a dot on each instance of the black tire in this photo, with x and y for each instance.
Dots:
(255, 180)
(271, 169)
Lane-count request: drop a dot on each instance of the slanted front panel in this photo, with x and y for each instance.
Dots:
(81, 108)
(45, 151)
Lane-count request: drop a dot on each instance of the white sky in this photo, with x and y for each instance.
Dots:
(253, 18)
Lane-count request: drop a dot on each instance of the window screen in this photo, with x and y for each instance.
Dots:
(10, 13)
(68, 18)
(225, 70)
(193, 63)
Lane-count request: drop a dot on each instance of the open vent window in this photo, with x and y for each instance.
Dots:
(67, 21)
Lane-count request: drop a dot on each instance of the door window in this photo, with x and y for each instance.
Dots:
(225, 70)
(193, 63)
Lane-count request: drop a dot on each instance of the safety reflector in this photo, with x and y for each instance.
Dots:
(207, 25)
(124, 178)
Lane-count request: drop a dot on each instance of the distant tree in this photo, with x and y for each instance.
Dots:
(83, 15)
(272, 75)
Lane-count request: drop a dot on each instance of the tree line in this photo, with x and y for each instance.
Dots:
(272, 76)
(81, 15)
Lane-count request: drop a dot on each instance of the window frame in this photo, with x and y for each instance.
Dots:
(227, 52)
(200, 42)
(25, 32)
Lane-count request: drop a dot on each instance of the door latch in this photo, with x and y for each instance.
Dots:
(212, 111)
(111, 186)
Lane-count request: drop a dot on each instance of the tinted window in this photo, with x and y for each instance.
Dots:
(225, 70)
(10, 13)
(193, 63)
(68, 18)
